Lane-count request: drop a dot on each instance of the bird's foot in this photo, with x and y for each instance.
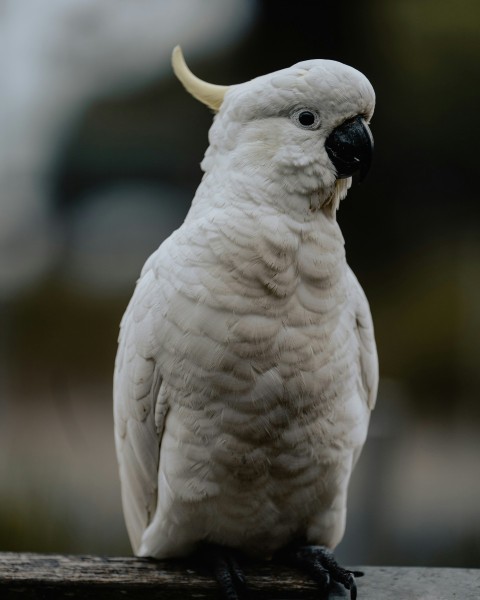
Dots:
(223, 563)
(320, 564)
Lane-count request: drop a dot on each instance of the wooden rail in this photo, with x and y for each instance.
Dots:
(44, 577)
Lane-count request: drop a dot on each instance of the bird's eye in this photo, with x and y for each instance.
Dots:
(306, 119)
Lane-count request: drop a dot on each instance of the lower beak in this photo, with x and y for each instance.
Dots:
(350, 148)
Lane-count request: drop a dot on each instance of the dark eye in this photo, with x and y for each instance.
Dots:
(306, 119)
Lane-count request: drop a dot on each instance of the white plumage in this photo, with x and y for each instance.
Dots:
(247, 368)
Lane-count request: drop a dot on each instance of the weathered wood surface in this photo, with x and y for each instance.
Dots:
(38, 576)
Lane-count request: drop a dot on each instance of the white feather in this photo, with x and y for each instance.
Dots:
(247, 368)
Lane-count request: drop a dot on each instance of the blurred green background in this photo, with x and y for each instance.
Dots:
(99, 159)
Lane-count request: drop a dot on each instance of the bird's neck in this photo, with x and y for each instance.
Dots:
(279, 234)
(254, 190)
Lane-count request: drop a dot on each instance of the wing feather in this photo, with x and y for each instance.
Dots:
(140, 409)
(367, 348)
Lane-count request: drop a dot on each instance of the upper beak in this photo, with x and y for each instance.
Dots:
(350, 148)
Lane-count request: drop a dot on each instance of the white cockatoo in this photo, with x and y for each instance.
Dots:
(247, 367)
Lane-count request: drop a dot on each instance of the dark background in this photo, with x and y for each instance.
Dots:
(122, 166)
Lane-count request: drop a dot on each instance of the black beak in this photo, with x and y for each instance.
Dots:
(350, 148)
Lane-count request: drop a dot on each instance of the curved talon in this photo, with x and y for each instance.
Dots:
(225, 568)
(320, 575)
(357, 573)
(320, 564)
(353, 591)
(225, 579)
(317, 561)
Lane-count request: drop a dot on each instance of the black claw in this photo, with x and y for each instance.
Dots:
(320, 564)
(237, 572)
(353, 591)
(317, 572)
(224, 566)
(357, 573)
(317, 561)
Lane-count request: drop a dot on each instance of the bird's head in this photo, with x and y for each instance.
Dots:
(304, 129)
